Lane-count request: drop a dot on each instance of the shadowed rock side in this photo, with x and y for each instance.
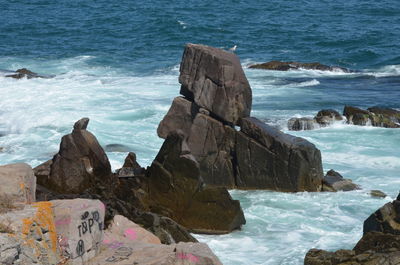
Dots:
(380, 243)
(176, 190)
(268, 158)
(286, 66)
(375, 116)
(214, 80)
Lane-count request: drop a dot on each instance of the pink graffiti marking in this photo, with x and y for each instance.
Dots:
(130, 233)
(112, 243)
(64, 221)
(189, 257)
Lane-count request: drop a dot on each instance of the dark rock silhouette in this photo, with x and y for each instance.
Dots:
(286, 66)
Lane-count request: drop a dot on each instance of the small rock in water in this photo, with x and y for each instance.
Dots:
(333, 181)
(377, 193)
(21, 73)
(286, 66)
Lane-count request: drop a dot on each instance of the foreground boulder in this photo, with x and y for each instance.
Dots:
(323, 118)
(286, 66)
(375, 116)
(80, 164)
(176, 190)
(380, 243)
(214, 80)
(18, 183)
(333, 181)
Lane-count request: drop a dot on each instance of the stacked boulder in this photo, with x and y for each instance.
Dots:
(217, 97)
(379, 244)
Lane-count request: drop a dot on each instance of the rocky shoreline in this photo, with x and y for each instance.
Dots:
(73, 209)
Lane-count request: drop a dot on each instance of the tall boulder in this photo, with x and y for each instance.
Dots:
(214, 80)
(81, 163)
(176, 190)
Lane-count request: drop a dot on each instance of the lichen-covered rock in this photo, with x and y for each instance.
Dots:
(18, 183)
(214, 80)
(375, 116)
(286, 66)
(270, 159)
(333, 181)
(80, 164)
(176, 190)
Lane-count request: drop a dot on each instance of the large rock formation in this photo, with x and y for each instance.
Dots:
(375, 116)
(80, 164)
(380, 243)
(286, 66)
(214, 80)
(233, 159)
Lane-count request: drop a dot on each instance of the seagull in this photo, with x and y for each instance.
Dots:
(233, 49)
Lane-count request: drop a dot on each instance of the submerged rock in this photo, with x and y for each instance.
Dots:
(286, 66)
(214, 80)
(22, 73)
(302, 124)
(323, 118)
(116, 148)
(377, 193)
(333, 181)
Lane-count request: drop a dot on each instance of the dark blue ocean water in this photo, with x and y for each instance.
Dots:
(117, 62)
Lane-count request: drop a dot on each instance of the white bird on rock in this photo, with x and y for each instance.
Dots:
(233, 49)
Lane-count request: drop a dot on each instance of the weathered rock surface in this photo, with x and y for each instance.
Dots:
(270, 159)
(176, 190)
(333, 181)
(152, 254)
(131, 167)
(323, 118)
(80, 164)
(375, 116)
(214, 80)
(18, 183)
(386, 219)
(286, 66)
(79, 224)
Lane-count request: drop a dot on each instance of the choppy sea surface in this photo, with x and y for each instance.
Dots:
(117, 62)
